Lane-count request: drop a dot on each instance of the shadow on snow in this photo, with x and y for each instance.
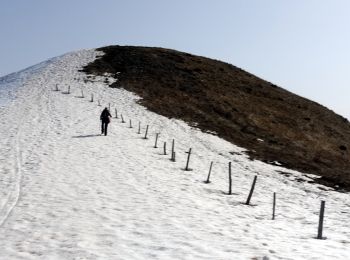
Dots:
(84, 136)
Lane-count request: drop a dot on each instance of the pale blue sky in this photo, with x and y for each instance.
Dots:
(300, 45)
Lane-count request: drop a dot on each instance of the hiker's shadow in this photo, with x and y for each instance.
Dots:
(85, 136)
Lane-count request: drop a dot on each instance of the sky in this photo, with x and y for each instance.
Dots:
(299, 45)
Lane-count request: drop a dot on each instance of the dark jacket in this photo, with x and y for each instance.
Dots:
(105, 115)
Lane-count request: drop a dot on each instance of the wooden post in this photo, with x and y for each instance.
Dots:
(164, 148)
(146, 133)
(121, 115)
(229, 179)
(139, 131)
(92, 98)
(188, 160)
(56, 87)
(99, 103)
(174, 155)
(208, 178)
(156, 142)
(130, 125)
(173, 151)
(116, 113)
(82, 93)
(320, 222)
(251, 190)
(274, 206)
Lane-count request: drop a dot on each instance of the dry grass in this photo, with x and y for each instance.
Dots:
(240, 107)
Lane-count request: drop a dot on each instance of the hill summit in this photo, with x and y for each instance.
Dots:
(274, 125)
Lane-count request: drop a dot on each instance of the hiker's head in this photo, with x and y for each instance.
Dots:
(106, 108)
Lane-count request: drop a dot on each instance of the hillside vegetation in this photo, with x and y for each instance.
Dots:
(273, 124)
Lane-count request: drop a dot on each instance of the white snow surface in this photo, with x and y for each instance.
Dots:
(66, 192)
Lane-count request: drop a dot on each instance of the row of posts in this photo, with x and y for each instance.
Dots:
(207, 181)
(187, 168)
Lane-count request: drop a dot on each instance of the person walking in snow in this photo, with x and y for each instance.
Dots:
(105, 118)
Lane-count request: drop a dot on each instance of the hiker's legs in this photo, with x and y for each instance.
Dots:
(102, 127)
(106, 126)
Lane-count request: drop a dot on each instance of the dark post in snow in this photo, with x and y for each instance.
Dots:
(68, 90)
(208, 178)
(99, 103)
(188, 160)
(229, 179)
(121, 115)
(82, 93)
(251, 190)
(130, 125)
(116, 113)
(156, 142)
(146, 133)
(109, 106)
(320, 222)
(174, 155)
(56, 88)
(274, 206)
(139, 131)
(92, 98)
(164, 148)
(173, 151)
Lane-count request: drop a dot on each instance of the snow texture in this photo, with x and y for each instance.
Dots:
(67, 192)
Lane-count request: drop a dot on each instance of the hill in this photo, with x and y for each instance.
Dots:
(68, 192)
(275, 125)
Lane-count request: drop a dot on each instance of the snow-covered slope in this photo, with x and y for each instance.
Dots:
(67, 192)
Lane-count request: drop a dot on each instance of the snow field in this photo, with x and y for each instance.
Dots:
(69, 193)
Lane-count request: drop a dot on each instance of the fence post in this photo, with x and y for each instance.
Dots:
(320, 222)
(208, 178)
(121, 115)
(109, 106)
(164, 148)
(82, 93)
(146, 133)
(229, 179)
(274, 206)
(92, 98)
(57, 87)
(251, 190)
(68, 90)
(116, 113)
(130, 125)
(139, 131)
(174, 155)
(99, 103)
(173, 151)
(188, 160)
(156, 142)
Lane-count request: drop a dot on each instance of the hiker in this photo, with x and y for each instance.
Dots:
(105, 119)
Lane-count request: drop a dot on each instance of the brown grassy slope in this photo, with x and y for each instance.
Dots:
(237, 105)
